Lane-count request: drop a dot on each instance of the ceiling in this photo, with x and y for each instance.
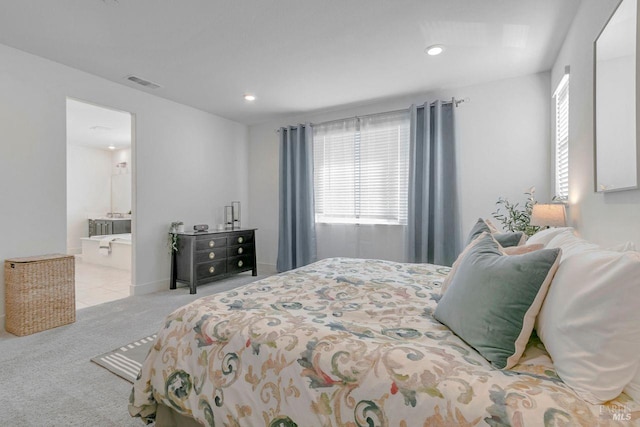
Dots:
(98, 127)
(295, 56)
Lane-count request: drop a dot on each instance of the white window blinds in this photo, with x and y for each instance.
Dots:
(561, 96)
(361, 169)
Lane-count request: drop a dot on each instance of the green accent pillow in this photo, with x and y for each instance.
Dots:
(506, 240)
(493, 299)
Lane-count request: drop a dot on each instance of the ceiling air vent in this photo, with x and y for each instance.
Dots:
(143, 82)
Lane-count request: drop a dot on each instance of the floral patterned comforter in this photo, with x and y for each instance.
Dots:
(346, 342)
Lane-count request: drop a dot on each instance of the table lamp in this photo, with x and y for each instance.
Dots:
(548, 215)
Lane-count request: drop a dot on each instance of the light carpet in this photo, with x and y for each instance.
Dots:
(48, 380)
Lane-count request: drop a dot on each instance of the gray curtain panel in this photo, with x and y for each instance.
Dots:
(297, 229)
(433, 229)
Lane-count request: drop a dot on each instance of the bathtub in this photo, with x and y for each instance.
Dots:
(118, 257)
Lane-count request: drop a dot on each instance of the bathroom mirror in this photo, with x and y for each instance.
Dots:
(121, 193)
(616, 150)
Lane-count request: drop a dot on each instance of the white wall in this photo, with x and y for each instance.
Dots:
(88, 191)
(605, 218)
(187, 163)
(503, 149)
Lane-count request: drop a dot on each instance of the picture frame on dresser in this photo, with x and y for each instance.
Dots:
(206, 256)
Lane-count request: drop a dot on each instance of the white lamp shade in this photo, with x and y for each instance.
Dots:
(551, 215)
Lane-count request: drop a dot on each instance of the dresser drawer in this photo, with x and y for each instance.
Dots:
(208, 242)
(239, 263)
(211, 255)
(239, 250)
(240, 238)
(210, 269)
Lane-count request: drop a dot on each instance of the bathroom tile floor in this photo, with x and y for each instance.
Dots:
(96, 284)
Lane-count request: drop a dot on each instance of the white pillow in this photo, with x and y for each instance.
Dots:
(623, 247)
(570, 244)
(590, 322)
(544, 236)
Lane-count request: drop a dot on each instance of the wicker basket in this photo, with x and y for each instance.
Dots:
(39, 293)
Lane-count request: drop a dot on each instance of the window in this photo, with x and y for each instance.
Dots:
(361, 169)
(561, 96)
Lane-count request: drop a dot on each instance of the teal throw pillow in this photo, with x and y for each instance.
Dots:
(493, 299)
(506, 240)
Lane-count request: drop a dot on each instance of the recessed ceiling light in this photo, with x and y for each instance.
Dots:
(100, 128)
(434, 50)
(111, 147)
(249, 97)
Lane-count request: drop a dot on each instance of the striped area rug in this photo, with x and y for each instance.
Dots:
(126, 361)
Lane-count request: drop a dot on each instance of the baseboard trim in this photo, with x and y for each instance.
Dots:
(163, 285)
(149, 288)
(267, 268)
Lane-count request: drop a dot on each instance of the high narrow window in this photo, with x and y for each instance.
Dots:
(361, 169)
(561, 96)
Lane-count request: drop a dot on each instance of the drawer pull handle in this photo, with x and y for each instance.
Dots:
(211, 270)
(211, 243)
(240, 263)
(212, 255)
(240, 250)
(240, 239)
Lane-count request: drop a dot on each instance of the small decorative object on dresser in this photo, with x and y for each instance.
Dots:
(205, 256)
(235, 210)
(228, 217)
(176, 227)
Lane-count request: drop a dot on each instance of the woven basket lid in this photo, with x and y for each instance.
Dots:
(38, 258)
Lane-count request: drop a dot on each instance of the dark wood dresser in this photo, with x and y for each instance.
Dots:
(203, 257)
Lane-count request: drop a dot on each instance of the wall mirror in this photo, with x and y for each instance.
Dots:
(121, 193)
(616, 150)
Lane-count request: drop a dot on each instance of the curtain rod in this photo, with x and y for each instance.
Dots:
(454, 101)
(360, 116)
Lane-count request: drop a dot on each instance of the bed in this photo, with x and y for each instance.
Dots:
(345, 342)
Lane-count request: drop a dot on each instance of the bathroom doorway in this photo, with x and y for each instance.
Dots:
(99, 201)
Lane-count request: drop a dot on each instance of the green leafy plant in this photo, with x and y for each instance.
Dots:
(173, 236)
(173, 242)
(173, 228)
(516, 218)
